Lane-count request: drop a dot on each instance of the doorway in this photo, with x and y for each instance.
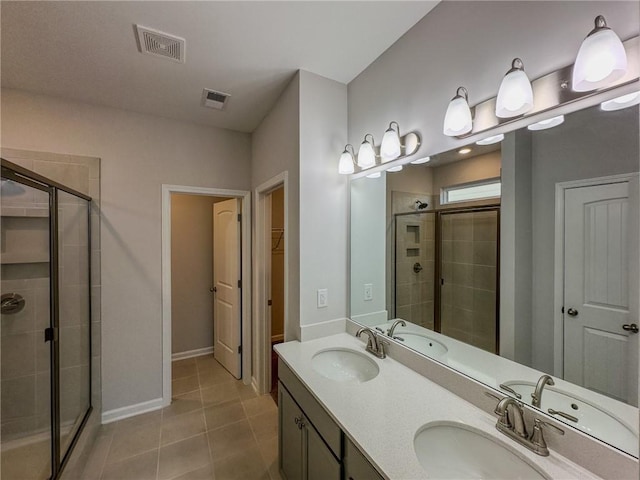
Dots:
(600, 333)
(276, 280)
(205, 310)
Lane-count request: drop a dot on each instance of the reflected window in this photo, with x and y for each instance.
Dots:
(471, 191)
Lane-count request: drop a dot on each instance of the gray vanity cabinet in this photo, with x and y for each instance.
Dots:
(356, 466)
(303, 453)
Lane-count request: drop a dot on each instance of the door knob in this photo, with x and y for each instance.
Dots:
(572, 312)
(213, 289)
(630, 327)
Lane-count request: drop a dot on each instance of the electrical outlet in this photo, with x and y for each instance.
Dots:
(323, 298)
(368, 291)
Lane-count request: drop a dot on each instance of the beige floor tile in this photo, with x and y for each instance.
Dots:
(223, 414)
(182, 371)
(26, 462)
(182, 426)
(238, 466)
(230, 440)
(182, 457)
(183, 362)
(183, 404)
(140, 467)
(246, 392)
(137, 421)
(128, 442)
(97, 457)
(216, 377)
(204, 473)
(259, 405)
(264, 426)
(184, 385)
(269, 451)
(220, 393)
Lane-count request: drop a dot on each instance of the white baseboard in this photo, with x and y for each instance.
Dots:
(322, 329)
(277, 338)
(131, 410)
(192, 353)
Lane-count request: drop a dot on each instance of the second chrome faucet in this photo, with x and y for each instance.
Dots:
(375, 345)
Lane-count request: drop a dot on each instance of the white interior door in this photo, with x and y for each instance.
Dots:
(598, 246)
(226, 281)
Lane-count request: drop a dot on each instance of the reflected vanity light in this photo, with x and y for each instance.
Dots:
(619, 103)
(601, 59)
(397, 168)
(391, 148)
(464, 151)
(9, 188)
(374, 175)
(345, 167)
(515, 96)
(491, 140)
(548, 123)
(457, 120)
(421, 161)
(367, 153)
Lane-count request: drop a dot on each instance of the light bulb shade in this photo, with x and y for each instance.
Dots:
(515, 96)
(619, 103)
(397, 168)
(491, 140)
(601, 59)
(345, 167)
(457, 120)
(390, 148)
(375, 175)
(546, 124)
(366, 155)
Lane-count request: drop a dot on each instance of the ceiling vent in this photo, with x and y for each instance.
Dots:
(213, 99)
(160, 44)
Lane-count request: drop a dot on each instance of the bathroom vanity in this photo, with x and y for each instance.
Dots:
(357, 416)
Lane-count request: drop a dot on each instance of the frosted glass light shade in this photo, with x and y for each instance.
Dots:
(601, 59)
(375, 175)
(390, 148)
(546, 124)
(457, 120)
(397, 168)
(366, 155)
(491, 140)
(515, 96)
(619, 103)
(421, 160)
(345, 167)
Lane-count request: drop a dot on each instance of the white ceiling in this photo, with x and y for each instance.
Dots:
(87, 51)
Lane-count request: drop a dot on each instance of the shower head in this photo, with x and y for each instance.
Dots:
(420, 205)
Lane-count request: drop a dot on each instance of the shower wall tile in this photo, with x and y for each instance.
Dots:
(484, 253)
(484, 277)
(18, 355)
(18, 397)
(462, 251)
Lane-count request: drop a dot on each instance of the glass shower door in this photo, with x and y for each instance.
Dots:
(25, 376)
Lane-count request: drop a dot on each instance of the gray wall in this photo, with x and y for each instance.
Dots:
(591, 143)
(139, 153)
(191, 272)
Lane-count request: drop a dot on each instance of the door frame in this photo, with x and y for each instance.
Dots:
(262, 278)
(245, 253)
(558, 274)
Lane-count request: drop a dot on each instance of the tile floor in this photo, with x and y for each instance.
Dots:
(215, 428)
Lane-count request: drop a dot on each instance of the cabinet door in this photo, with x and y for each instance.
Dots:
(290, 436)
(356, 466)
(321, 464)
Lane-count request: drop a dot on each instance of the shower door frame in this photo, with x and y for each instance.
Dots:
(437, 320)
(16, 173)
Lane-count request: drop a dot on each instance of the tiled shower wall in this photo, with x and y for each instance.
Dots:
(469, 269)
(83, 175)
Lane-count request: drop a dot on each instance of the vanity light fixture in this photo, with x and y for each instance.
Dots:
(515, 96)
(345, 167)
(367, 152)
(396, 168)
(548, 123)
(375, 175)
(464, 150)
(391, 148)
(457, 120)
(621, 102)
(601, 59)
(491, 140)
(421, 161)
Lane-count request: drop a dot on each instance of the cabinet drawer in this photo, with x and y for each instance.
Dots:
(356, 466)
(320, 419)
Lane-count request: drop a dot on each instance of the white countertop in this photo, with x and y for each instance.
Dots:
(381, 416)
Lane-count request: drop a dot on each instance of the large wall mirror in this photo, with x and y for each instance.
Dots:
(513, 260)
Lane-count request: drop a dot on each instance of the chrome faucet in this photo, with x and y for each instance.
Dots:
(375, 345)
(511, 422)
(393, 327)
(536, 396)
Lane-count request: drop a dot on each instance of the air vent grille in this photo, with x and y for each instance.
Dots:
(160, 44)
(214, 99)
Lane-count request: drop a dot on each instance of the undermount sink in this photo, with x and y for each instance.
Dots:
(423, 344)
(592, 419)
(457, 451)
(345, 365)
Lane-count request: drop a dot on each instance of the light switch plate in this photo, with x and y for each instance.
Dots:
(323, 297)
(368, 291)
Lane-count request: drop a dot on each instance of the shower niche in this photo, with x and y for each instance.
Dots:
(45, 328)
